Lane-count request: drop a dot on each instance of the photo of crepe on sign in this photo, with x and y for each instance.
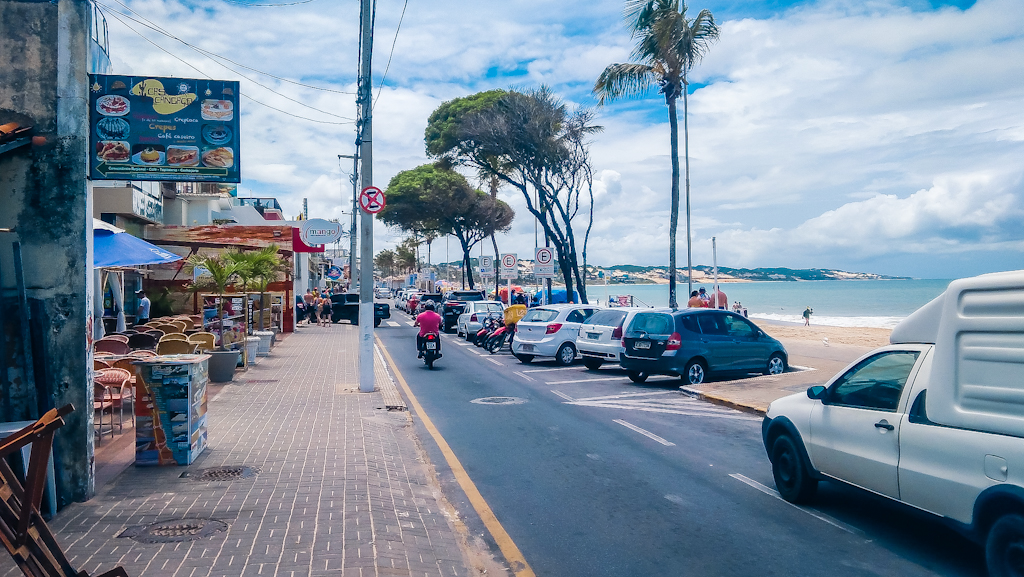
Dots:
(216, 134)
(222, 157)
(182, 155)
(148, 154)
(112, 151)
(217, 110)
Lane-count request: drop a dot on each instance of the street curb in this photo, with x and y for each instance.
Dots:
(723, 401)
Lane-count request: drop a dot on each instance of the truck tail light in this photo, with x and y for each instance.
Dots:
(553, 328)
(675, 342)
(617, 333)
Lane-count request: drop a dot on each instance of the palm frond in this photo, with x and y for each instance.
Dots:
(623, 80)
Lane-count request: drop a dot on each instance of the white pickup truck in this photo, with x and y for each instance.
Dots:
(934, 420)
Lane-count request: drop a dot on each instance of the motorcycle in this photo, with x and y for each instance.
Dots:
(431, 349)
(488, 328)
(501, 336)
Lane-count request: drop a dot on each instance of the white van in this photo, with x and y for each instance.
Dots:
(934, 420)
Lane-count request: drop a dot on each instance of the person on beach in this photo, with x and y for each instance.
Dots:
(695, 301)
(704, 296)
(807, 316)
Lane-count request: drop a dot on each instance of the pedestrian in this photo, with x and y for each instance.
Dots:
(807, 316)
(695, 301)
(320, 312)
(142, 316)
(705, 297)
(325, 315)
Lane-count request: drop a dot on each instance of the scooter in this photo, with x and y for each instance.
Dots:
(431, 349)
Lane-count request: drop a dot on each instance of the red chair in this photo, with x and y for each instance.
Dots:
(113, 346)
(117, 337)
(118, 384)
(101, 403)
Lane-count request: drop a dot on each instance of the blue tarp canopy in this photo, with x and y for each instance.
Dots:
(113, 247)
(557, 296)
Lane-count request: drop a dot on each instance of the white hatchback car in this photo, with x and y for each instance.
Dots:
(600, 338)
(471, 320)
(550, 331)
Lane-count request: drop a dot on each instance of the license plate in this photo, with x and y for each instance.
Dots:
(526, 347)
(593, 336)
(431, 346)
(642, 345)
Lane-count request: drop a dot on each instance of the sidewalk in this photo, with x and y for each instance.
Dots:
(336, 485)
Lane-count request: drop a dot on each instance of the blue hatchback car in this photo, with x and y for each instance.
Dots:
(691, 343)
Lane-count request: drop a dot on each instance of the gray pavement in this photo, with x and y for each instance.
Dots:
(342, 487)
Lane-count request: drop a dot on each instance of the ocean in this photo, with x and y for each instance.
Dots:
(842, 303)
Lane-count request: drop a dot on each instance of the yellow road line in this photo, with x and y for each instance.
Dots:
(508, 547)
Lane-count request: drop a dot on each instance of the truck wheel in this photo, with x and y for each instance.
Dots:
(776, 365)
(593, 364)
(637, 376)
(792, 478)
(1004, 547)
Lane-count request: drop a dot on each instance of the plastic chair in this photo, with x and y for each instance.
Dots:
(128, 332)
(174, 337)
(142, 341)
(119, 388)
(204, 341)
(111, 346)
(143, 353)
(197, 321)
(175, 347)
(117, 337)
(178, 324)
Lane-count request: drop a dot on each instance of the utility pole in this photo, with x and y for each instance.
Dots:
(366, 380)
(355, 210)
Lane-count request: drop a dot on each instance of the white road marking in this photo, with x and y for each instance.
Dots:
(584, 380)
(548, 370)
(464, 344)
(644, 432)
(563, 395)
(799, 368)
(773, 493)
(675, 405)
(497, 362)
(520, 373)
(626, 395)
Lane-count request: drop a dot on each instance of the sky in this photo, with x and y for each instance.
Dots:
(882, 136)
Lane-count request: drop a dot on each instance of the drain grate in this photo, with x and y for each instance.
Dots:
(499, 401)
(174, 531)
(221, 474)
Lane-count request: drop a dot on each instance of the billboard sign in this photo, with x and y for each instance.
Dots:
(167, 129)
(334, 273)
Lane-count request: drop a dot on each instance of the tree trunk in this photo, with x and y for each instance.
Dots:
(673, 302)
(467, 263)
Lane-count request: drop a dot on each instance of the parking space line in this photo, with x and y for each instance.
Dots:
(644, 432)
(773, 493)
(590, 380)
(520, 374)
(563, 395)
(555, 369)
(495, 361)
(627, 395)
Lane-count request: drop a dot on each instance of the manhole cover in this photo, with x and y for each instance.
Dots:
(174, 531)
(499, 401)
(221, 474)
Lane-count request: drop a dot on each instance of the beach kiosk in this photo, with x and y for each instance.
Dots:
(170, 412)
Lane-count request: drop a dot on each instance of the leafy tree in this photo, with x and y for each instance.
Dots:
(533, 141)
(386, 260)
(405, 255)
(668, 45)
(434, 199)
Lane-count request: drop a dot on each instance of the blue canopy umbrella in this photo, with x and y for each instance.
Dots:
(113, 247)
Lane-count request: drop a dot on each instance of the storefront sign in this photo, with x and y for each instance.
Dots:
(319, 231)
(147, 128)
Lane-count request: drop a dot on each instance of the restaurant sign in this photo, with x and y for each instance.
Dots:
(167, 129)
(319, 231)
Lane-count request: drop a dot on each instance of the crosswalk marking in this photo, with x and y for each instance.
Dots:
(393, 324)
(675, 405)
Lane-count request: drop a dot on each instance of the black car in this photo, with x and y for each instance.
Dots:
(454, 305)
(345, 306)
(691, 343)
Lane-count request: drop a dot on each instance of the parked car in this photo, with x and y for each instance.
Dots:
(345, 306)
(933, 421)
(691, 343)
(454, 304)
(600, 338)
(410, 296)
(550, 331)
(471, 320)
(382, 293)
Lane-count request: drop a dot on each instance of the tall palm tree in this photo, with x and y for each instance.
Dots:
(668, 45)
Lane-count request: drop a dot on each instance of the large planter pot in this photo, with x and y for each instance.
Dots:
(222, 365)
(252, 348)
(265, 338)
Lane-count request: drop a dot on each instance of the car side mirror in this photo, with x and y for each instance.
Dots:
(817, 393)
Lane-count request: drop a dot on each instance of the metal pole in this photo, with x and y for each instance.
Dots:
(714, 257)
(355, 210)
(366, 380)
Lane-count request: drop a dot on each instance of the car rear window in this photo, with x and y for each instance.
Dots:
(607, 318)
(493, 308)
(539, 316)
(652, 323)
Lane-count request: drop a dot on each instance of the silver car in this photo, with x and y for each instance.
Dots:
(471, 320)
(550, 331)
(600, 338)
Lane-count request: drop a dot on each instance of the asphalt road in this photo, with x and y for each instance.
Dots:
(593, 475)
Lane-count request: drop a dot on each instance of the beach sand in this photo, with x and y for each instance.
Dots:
(861, 336)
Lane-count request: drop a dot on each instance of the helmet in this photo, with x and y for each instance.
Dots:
(429, 305)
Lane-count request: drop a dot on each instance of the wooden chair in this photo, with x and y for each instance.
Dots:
(175, 347)
(102, 403)
(112, 346)
(204, 341)
(174, 337)
(118, 381)
(23, 531)
(116, 337)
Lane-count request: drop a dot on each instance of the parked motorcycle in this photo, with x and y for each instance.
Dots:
(431, 349)
(500, 337)
(488, 327)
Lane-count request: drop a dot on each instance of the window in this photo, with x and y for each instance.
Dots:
(876, 382)
(712, 324)
(652, 324)
(539, 316)
(579, 315)
(689, 323)
(607, 318)
(738, 327)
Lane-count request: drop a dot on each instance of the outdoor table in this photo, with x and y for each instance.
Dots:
(8, 428)
(170, 410)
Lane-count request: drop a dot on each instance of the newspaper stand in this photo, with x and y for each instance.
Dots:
(24, 533)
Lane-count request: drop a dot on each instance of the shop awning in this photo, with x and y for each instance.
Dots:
(113, 247)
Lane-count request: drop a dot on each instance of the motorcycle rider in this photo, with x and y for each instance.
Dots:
(429, 322)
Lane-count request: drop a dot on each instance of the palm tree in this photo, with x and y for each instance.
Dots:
(668, 45)
(220, 277)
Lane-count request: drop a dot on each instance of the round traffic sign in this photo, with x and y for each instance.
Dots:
(508, 260)
(545, 256)
(371, 200)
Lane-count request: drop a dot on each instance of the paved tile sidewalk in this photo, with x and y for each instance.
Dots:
(341, 488)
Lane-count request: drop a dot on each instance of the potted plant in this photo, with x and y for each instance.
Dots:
(222, 361)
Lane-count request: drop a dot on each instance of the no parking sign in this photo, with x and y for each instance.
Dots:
(372, 200)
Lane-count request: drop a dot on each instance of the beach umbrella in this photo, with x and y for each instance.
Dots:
(113, 247)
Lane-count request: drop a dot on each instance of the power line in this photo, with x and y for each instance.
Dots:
(116, 17)
(272, 5)
(393, 43)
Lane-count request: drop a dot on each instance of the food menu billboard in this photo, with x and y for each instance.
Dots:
(150, 128)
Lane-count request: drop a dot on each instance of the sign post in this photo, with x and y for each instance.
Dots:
(487, 266)
(365, 143)
(544, 263)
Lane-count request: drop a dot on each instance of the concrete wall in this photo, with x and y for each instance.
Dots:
(43, 196)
